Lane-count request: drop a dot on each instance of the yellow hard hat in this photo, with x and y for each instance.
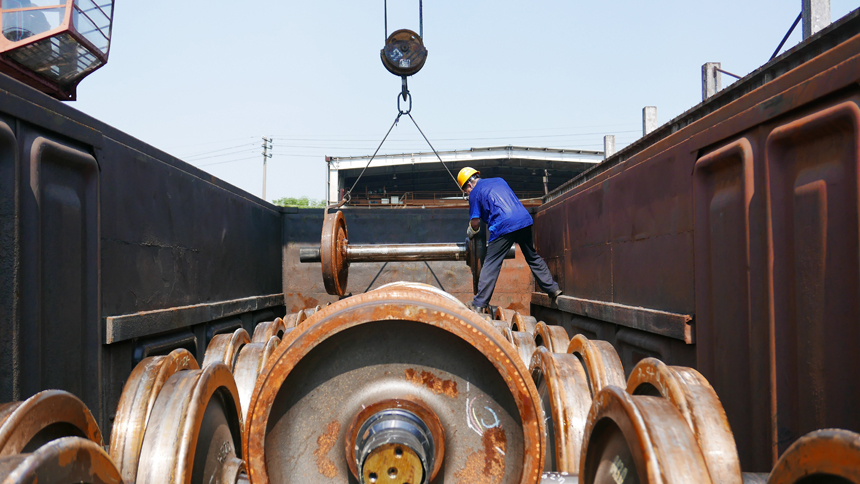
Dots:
(465, 174)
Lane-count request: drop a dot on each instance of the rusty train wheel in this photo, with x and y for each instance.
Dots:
(335, 267)
(638, 439)
(194, 430)
(504, 314)
(292, 320)
(402, 342)
(525, 324)
(501, 326)
(524, 343)
(225, 348)
(566, 400)
(135, 406)
(826, 456)
(69, 460)
(601, 363)
(554, 337)
(265, 330)
(46, 416)
(271, 346)
(248, 366)
(694, 397)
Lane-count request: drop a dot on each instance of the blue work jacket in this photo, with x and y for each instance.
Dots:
(493, 201)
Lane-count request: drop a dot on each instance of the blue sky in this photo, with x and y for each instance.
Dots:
(206, 80)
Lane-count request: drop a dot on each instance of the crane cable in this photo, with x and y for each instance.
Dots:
(405, 94)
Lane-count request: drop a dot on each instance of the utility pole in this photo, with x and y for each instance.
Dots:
(267, 145)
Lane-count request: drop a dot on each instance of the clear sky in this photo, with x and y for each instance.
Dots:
(205, 81)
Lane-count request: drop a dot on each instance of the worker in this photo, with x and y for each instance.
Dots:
(508, 222)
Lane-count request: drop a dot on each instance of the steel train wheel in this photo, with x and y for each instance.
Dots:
(406, 343)
(195, 429)
(554, 337)
(566, 400)
(601, 363)
(501, 326)
(524, 343)
(292, 320)
(504, 314)
(271, 346)
(248, 366)
(69, 460)
(829, 456)
(135, 406)
(525, 324)
(225, 348)
(638, 439)
(335, 266)
(252, 359)
(694, 397)
(265, 330)
(46, 416)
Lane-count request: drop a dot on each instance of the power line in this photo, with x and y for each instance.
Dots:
(216, 151)
(335, 140)
(230, 153)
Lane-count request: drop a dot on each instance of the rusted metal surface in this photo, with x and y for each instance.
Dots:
(524, 343)
(743, 215)
(69, 460)
(678, 326)
(48, 415)
(194, 431)
(600, 361)
(335, 266)
(554, 338)
(464, 365)
(829, 455)
(694, 398)
(267, 329)
(638, 437)
(145, 323)
(135, 407)
(293, 319)
(563, 388)
(225, 348)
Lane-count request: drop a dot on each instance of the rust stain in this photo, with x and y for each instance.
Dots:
(486, 466)
(520, 308)
(325, 443)
(436, 385)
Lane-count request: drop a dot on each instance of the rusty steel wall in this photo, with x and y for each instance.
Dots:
(111, 251)
(303, 284)
(744, 220)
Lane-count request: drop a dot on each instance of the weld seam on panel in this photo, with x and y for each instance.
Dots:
(145, 323)
(672, 325)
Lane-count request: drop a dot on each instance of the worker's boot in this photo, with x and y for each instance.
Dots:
(555, 293)
(478, 309)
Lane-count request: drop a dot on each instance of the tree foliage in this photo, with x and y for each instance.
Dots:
(301, 202)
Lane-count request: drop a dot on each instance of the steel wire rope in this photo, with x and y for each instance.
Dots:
(348, 195)
(434, 152)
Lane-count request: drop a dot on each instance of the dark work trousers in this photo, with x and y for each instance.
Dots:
(496, 251)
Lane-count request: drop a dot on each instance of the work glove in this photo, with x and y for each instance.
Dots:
(471, 233)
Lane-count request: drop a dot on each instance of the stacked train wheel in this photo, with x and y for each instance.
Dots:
(402, 385)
